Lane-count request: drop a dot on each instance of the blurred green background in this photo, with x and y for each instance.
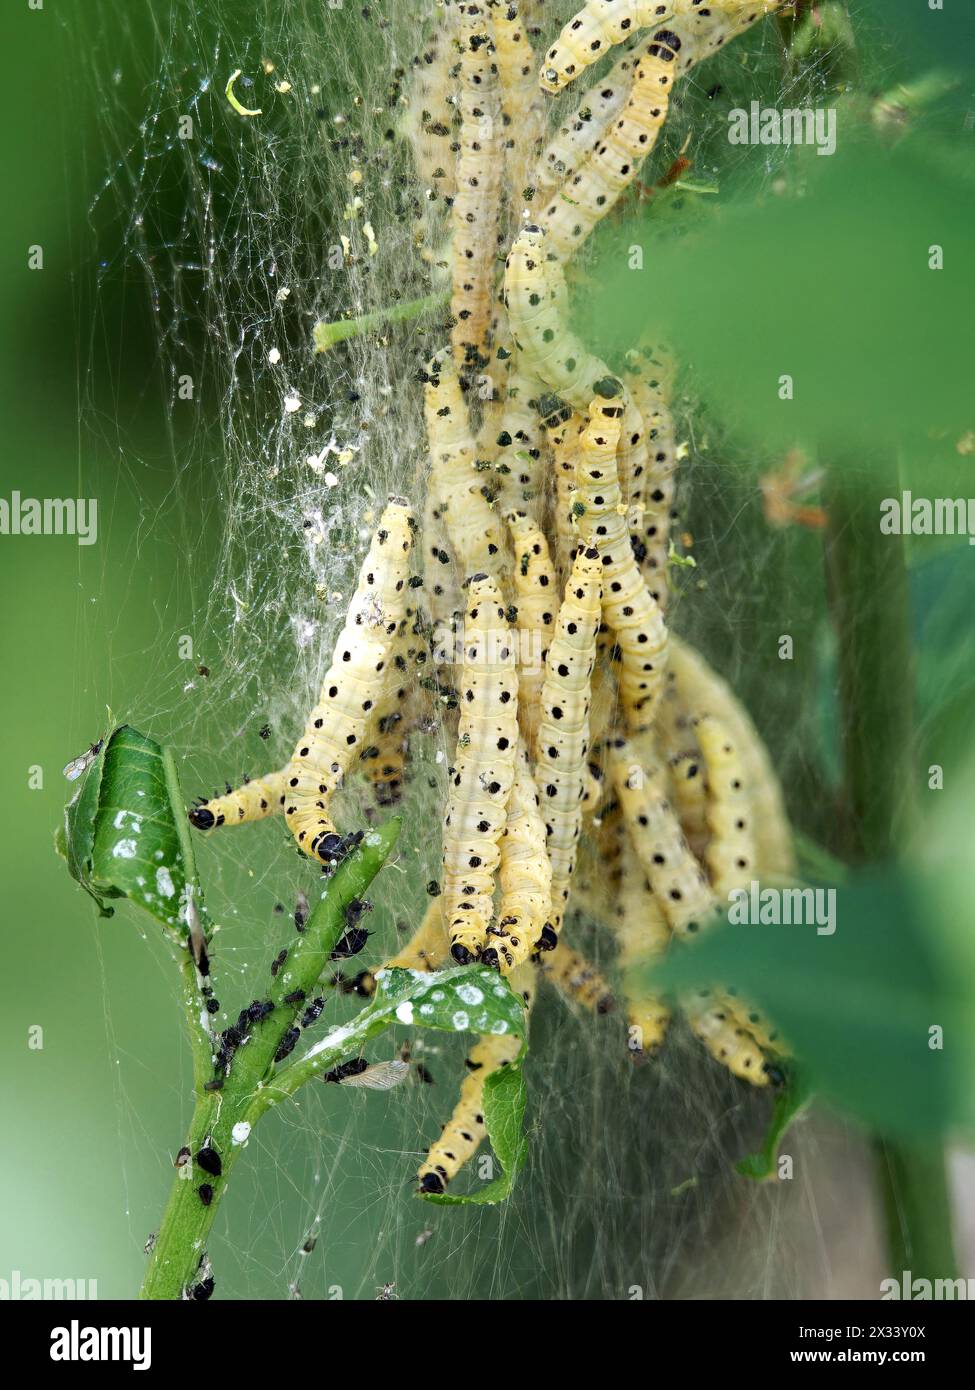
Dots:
(101, 1106)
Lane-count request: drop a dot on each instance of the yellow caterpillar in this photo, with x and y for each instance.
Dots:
(601, 24)
(255, 799)
(481, 780)
(519, 462)
(537, 301)
(702, 691)
(580, 132)
(525, 876)
(430, 118)
(641, 635)
(427, 948)
(440, 582)
(613, 889)
(472, 524)
(537, 599)
(576, 979)
(588, 195)
(384, 758)
(686, 901)
(563, 428)
(476, 205)
(676, 877)
(522, 104)
(730, 855)
(337, 726)
(563, 734)
(464, 1132)
(650, 381)
(642, 934)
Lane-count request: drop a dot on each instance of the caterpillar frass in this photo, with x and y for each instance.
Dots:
(699, 690)
(576, 979)
(525, 876)
(601, 24)
(476, 206)
(472, 524)
(427, 947)
(522, 103)
(641, 635)
(580, 132)
(562, 744)
(481, 779)
(465, 1130)
(650, 380)
(537, 600)
(337, 727)
(255, 799)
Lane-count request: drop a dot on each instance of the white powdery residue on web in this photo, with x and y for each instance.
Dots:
(124, 849)
(470, 994)
(404, 1011)
(460, 1020)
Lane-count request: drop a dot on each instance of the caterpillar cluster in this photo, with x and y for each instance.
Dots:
(599, 763)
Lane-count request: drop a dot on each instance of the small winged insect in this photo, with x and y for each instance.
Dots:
(383, 1076)
(385, 1293)
(77, 767)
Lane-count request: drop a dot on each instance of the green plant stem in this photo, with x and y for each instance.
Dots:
(194, 1004)
(869, 602)
(326, 335)
(248, 1089)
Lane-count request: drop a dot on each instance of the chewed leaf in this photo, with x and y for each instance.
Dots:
(504, 1118)
(468, 999)
(789, 1104)
(75, 838)
(123, 833)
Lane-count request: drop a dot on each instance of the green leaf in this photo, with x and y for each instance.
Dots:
(832, 288)
(790, 1101)
(505, 1099)
(125, 831)
(75, 837)
(857, 1006)
(464, 999)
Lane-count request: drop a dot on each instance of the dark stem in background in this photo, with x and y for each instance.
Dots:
(869, 603)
